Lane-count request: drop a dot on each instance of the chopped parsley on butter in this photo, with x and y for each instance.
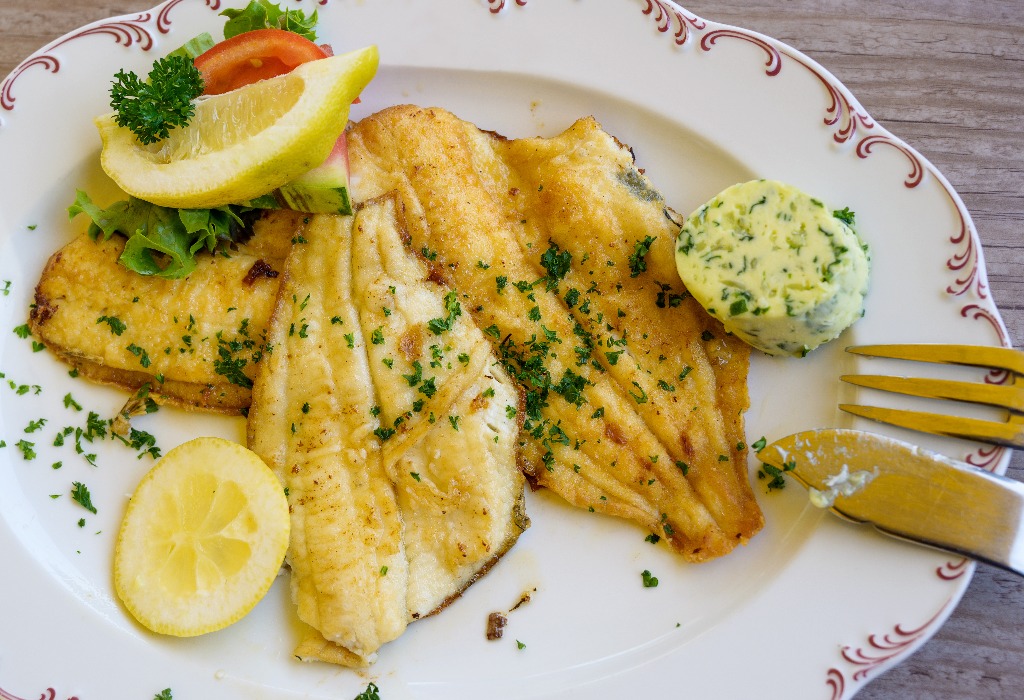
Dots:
(777, 267)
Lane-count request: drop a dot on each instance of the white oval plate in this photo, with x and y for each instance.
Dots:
(812, 608)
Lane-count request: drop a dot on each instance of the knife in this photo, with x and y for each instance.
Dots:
(908, 492)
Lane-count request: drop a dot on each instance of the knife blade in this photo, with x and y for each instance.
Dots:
(908, 492)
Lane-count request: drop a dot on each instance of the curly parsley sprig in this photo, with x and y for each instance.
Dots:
(151, 108)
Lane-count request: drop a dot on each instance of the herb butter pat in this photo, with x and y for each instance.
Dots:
(779, 269)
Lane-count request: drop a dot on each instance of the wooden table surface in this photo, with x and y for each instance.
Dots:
(947, 76)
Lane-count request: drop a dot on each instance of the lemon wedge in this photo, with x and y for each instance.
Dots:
(244, 143)
(202, 540)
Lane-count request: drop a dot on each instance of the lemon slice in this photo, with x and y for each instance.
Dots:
(202, 540)
(244, 143)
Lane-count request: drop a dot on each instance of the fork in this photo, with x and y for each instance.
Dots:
(1010, 396)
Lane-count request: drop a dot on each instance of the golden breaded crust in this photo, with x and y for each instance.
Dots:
(634, 394)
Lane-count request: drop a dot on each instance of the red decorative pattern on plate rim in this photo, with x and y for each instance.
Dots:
(48, 694)
(881, 649)
(952, 570)
(772, 65)
(836, 683)
(917, 171)
(125, 32)
(495, 6)
(163, 24)
(682, 19)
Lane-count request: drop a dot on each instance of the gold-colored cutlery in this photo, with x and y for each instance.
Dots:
(1008, 395)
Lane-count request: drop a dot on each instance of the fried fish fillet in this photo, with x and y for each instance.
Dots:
(200, 334)
(564, 252)
(381, 409)
(634, 396)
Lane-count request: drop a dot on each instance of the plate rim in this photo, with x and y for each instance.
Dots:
(853, 128)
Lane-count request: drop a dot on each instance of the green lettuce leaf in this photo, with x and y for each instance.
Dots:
(263, 14)
(195, 46)
(162, 241)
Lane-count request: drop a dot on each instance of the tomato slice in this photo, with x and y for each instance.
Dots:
(252, 56)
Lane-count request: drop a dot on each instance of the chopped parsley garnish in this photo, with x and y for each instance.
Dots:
(142, 355)
(738, 307)
(372, 692)
(229, 365)
(117, 326)
(452, 310)
(164, 694)
(377, 337)
(649, 580)
(777, 480)
(80, 493)
(141, 441)
(683, 467)
(760, 444)
(94, 427)
(383, 433)
(686, 370)
(22, 331)
(641, 397)
(414, 475)
(35, 425)
(27, 448)
(652, 538)
(638, 260)
(844, 215)
(556, 262)
(417, 376)
(428, 388)
(570, 387)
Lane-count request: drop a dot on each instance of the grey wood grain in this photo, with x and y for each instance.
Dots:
(947, 76)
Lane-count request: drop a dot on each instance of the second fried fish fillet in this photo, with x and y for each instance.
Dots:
(564, 250)
(380, 409)
(200, 335)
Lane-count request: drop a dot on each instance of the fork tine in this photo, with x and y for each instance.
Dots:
(1010, 434)
(1002, 396)
(971, 355)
